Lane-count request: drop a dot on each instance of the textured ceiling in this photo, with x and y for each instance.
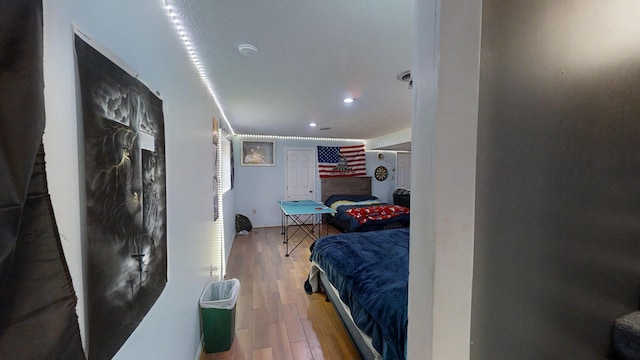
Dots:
(311, 55)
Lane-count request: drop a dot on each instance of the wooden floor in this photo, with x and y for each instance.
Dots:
(275, 318)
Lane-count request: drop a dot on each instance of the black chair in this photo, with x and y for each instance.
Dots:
(402, 197)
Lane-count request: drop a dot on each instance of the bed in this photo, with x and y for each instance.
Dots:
(356, 209)
(365, 275)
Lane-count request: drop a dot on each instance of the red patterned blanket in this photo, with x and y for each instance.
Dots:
(377, 212)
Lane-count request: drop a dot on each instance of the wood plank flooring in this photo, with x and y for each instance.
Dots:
(275, 318)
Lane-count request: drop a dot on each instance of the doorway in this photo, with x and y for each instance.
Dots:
(300, 174)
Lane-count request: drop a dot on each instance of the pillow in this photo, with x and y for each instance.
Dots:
(334, 205)
(339, 203)
(333, 198)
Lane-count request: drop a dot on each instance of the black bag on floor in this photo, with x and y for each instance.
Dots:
(243, 223)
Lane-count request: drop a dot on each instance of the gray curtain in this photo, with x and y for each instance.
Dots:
(38, 317)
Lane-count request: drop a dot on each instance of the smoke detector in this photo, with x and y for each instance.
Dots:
(248, 49)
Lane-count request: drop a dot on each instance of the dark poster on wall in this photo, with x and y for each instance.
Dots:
(122, 128)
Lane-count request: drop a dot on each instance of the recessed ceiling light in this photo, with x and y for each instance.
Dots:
(348, 100)
(313, 124)
(247, 49)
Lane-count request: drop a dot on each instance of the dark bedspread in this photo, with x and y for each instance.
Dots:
(370, 271)
(350, 223)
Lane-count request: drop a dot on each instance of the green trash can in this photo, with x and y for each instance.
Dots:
(218, 314)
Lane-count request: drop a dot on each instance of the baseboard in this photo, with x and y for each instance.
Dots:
(200, 351)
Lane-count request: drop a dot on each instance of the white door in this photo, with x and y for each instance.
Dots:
(404, 171)
(301, 174)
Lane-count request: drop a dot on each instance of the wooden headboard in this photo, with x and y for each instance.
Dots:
(345, 186)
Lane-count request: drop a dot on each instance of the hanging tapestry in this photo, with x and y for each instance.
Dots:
(125, 195)
(38, 317)
(341, 161)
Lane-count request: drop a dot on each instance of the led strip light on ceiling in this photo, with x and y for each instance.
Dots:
(172, 13)
(286, 137)
(193, 54)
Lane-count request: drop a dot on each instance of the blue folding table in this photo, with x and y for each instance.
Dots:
(302, 215)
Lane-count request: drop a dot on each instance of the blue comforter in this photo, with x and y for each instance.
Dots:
(370, 271)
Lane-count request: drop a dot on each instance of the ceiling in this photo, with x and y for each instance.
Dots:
(311, 55)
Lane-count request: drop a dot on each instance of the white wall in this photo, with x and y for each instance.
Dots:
(443, 180)
(140, 35)
(382, 189)
(228, 212)
(260, 187)
(397, 137)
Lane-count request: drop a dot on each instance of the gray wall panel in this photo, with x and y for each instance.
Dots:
(557, 239)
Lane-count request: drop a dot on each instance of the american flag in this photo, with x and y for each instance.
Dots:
(341, 161)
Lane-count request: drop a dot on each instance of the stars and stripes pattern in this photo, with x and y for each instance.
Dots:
(341, 161)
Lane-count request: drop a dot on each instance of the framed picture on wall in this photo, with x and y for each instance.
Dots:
(258, 153)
